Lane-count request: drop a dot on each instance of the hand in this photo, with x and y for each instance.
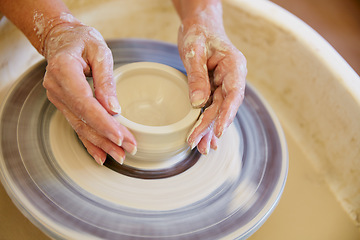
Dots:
(74, 51)
(216, 75)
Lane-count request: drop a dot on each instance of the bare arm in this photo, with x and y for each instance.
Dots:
(34, 18)
(190, 8)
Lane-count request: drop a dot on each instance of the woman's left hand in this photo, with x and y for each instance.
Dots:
(216, 73)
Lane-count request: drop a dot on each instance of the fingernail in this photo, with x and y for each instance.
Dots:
(116, 140)
(220, 132)
(117, 157)
(198, 122)
(195, 142)
(207, 149)
(114, 105)
(192, 146)
(198, 98)
(130, 148)
(98, 159)
(213, 145)
(134, 151)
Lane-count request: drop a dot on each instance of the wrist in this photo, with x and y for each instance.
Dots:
(188, 9)
(204, 13)
(46, 28)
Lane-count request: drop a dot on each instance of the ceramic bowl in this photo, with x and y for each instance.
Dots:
(156, 108)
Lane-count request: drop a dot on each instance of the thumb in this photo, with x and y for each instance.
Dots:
(195, 61)
(102, 71)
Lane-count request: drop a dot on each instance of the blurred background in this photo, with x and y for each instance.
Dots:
(338, 21)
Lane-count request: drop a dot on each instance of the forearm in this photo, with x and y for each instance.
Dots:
(35, 18)
(191, 9)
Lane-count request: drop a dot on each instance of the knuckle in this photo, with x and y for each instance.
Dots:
(102, 54)
(79, 127)
(102, 143)
(94, 34)
(218, 96)
(107, 82)
(108, 52)
(47, 82)
(105, 87)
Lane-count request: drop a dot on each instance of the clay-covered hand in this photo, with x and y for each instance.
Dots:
(216, 73)
(74, 51)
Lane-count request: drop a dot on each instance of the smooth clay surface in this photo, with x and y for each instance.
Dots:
(152, 98)
(313, 91)
(155, 107)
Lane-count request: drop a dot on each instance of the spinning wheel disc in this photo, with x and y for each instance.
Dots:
(227, 194)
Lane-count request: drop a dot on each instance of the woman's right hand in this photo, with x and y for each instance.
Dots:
(74, 51)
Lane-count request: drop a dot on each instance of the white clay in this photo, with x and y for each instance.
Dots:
(155, 108)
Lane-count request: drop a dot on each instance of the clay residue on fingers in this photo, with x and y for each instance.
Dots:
(114, 105)
(193, 143)
(198, 98)
(43, 26)
(96, 34)
(192, 42)
(206, 39)
(216, 44)
(190, 54)
(102, 53)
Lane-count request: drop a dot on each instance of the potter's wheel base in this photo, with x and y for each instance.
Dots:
(63, 191)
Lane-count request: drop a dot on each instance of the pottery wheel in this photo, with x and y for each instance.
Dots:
(54, 182)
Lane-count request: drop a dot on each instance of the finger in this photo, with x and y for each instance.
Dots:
(228, 63)
(204, 144)
(101, 62)
(116, 152)
(193, 54)
(233, 97)
(206, 120)
(98, 154)
(233, 87)
(90, 135)
(214, 142)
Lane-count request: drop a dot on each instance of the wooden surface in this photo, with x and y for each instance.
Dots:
(338, 21)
